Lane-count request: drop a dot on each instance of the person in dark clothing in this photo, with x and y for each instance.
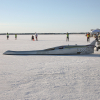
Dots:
(97, 36)
(32, 37)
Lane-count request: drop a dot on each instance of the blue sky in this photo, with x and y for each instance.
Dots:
(49, 16)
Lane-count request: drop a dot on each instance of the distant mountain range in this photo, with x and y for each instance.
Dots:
(41, 33)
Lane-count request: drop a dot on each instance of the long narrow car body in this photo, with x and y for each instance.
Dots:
(59, 50)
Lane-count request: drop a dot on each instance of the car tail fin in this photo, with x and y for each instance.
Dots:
(93, 43)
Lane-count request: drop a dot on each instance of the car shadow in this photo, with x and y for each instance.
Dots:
(78, 55)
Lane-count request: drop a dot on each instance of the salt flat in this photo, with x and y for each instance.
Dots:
(48, 77)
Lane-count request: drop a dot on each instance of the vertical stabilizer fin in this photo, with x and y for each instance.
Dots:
(93, 43)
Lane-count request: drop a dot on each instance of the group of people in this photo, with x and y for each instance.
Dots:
(88, 36)
(36, 36)
(8, 36)
(67, 37)
(96, 36)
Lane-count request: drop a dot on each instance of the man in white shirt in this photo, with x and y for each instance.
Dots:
(36, 36)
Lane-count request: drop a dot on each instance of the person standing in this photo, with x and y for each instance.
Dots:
(87, 37)
(15, 36)
(67, 36)
(7, 36)
(36, 36)
(97, 37)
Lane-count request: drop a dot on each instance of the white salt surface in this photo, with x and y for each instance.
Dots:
(48, 77)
